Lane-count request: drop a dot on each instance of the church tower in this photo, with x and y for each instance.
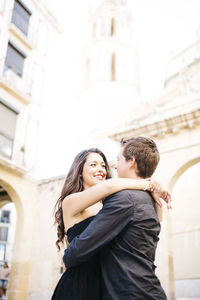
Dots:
(111, 63)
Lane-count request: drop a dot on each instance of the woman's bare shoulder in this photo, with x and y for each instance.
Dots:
(67, 201)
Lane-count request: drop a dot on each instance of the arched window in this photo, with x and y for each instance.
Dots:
(113, 67)
(112, 29)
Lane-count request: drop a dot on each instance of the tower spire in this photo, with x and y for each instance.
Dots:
(111, 61)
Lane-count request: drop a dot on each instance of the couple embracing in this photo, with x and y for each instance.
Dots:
(111, 225)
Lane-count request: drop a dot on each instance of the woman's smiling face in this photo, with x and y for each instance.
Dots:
(94, 170)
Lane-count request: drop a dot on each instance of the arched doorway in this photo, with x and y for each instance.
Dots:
(7, 234)
(10, 201)
(185, 217)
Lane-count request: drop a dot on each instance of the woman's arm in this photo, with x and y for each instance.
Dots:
(159, 212)
(77, 202)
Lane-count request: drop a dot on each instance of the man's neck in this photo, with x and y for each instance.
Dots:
(133, 175)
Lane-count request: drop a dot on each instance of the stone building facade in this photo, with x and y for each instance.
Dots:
(173, 121)
(26, 27)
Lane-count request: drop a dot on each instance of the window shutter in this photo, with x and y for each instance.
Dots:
(14, 59)
(7, 121)
(21, 16)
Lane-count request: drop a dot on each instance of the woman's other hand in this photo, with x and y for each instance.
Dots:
(158, 193)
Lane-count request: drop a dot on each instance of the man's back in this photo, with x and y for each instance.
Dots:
(128, 260)
(125, 231)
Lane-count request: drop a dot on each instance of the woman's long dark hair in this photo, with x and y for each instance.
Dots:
(74, 184)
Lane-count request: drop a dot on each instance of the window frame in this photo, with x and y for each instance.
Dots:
(22, 16)
(3, 245)
(3, 231)
(12, 66)
(3, 134)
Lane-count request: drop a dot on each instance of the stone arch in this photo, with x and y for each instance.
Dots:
(15, 198)
(184, 230)
(181, 170)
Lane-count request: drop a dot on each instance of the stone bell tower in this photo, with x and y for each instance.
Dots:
(110, 62)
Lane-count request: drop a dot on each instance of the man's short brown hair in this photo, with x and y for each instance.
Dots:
(145, 152)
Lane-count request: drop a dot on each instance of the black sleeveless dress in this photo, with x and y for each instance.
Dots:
(83, 281)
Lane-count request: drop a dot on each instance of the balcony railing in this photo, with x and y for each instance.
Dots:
(29, 36)
(22, 84)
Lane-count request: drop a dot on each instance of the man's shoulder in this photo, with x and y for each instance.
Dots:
(117, 197)
(118, 200)
(139, 194)
(133, 195)
(125, 195)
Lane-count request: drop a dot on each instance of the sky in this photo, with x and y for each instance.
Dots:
(162, 28)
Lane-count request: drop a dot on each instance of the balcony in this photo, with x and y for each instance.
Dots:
(20, 24)
(13, 166)
(28, 40)
(20, 87)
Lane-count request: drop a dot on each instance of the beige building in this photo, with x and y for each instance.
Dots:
(173, 121)
(26, 28)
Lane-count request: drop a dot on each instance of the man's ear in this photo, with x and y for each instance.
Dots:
(132, 162)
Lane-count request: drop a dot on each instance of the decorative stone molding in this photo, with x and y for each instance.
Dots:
(162, 128)
(10, 85)
(10, 165)
(186, 58)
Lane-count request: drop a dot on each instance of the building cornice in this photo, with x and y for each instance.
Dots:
(51, 179)
(48, 15)
(159, 129)
(183, 60)
(9, 165)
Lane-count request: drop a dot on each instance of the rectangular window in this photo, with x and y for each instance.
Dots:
(8, 117)
(2, 251)
(3, 234)
(113, 66)
(21, 15)
(112, 30)
(5, 216)
(14, 59)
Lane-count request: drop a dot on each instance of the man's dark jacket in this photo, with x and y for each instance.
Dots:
(126, 232)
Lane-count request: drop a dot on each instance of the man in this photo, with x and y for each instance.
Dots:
(125, 231)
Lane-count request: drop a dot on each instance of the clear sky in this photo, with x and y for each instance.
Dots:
(162, 28)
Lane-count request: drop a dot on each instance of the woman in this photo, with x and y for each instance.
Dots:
(84, 188)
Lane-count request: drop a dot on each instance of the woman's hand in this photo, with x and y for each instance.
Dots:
(158, 192)
(163, 194)
(152, 185)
